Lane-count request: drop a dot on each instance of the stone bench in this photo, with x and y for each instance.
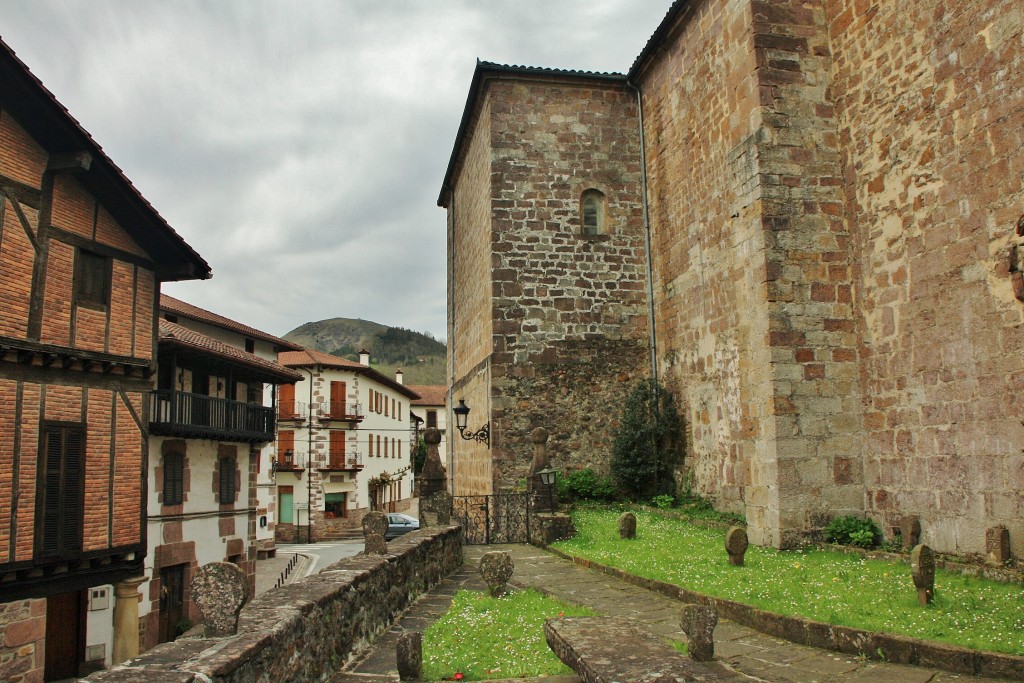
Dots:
(606, 649)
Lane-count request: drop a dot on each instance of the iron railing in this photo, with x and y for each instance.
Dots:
(337, 410)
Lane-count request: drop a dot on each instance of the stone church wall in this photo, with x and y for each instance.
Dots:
(930, 100)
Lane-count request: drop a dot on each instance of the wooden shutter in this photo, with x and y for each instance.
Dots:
(337, 450)
(227, 481)
(339, 393)
(285, 442)
(62, 502)
(286, 401)
(370, 453)
(174, 479)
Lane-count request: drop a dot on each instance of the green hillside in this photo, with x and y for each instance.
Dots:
(420, 356)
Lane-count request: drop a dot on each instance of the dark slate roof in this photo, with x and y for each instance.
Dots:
(169, 304)
(311, 357)
(177, 335)
(483, 69)
(659, 35)
(52, 126)
(430, 394)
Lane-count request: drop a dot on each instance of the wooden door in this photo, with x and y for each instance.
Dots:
(172, 601)
(339, 394)
(65, 636)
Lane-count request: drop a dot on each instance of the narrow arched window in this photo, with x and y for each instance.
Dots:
(592, 211)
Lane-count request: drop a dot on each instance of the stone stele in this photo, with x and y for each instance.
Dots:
(627, 525)
(220, 589)
(699, 622)
(736, 545)
(922, 567)
(496, 569)
(409, 653)
(375, 525)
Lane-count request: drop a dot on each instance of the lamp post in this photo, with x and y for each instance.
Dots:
(548, 477)
(483, 435)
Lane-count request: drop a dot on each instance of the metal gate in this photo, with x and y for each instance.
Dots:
(498, 518)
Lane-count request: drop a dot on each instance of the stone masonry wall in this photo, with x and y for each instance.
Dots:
(930, 99)
(305, 631)
(569, 310)
(22, 640)
(469, 320)
(701, 124)
(754, 302)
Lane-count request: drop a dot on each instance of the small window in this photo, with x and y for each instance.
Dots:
(335, 505)
(92, 281)
(432, 419)
(250, 346)
(227, 481)
(592, 212)
(174, 478)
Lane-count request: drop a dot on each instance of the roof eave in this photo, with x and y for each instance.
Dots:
(484, 70)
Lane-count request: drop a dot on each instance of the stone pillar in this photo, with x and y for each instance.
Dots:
(544, 499)
(432, 478)
(126, 620)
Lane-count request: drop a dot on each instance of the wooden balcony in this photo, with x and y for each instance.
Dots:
(196, 416)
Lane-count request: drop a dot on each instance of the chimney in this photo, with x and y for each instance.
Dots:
(399, 376)
(364, 358)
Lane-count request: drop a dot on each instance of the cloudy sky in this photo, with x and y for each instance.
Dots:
(299, 147)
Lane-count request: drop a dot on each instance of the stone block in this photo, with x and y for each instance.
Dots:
(409, 653)
(736, 543)
(922, 567)
(997, 545)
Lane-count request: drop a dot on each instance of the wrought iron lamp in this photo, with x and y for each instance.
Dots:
(482, 435)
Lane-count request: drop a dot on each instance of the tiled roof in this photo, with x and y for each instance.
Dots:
(523, 69)
(182, 309)
(308, 357)
(53, 126)
(172, 333)
(430, 394)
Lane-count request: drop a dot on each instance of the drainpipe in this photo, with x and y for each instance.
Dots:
(647, 235)
(450, 443)
(309, 461)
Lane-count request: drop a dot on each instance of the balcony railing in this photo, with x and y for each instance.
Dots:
(292, 410)
(290, 460)
(337, 410)
(179, 413)
(344, 461)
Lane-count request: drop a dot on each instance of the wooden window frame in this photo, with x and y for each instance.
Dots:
(93, 274)
(600, 225)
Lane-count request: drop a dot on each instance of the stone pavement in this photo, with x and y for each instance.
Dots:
(747, 651)
(268, 571)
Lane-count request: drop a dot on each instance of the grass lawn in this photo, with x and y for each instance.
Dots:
(832, 587)
(483, 637)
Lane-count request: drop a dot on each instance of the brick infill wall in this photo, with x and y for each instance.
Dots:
(889, 647)
(307, 630)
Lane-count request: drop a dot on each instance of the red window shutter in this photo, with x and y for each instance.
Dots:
(285, 443)
(339, 393)
(286, 401)
(337, 450)
(371, 446)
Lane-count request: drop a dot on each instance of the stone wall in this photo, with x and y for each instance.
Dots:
(569, 309)
(930, 100)
(305, 631)
(752, 263)
(23, 637)
(469, 313)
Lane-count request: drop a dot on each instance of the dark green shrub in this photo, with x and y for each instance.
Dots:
(851, 530)
(585, 485)
(419, 456)
(648, 444)
(664, 501)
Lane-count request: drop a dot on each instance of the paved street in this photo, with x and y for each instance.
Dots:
(304, 559)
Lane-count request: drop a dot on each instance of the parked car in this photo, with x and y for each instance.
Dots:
(399, 524)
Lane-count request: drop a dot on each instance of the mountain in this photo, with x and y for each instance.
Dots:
(420, 356)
